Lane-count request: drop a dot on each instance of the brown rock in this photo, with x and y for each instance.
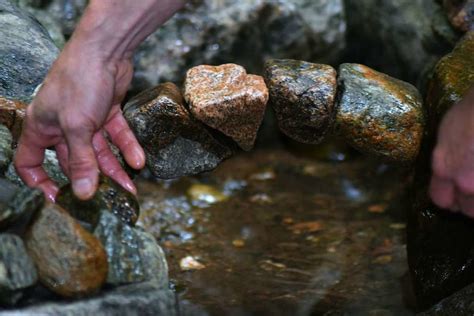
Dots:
(12, 114)
(302, 95)
(378, 114)
(460, 14)
(70, 260)
(228, 99)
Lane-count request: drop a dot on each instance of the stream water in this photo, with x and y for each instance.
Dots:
(276, 233)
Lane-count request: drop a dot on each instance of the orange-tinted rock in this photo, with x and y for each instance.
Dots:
(227, 99)
(12, 114)
(460, 14)
(378, 114)
(70, 260)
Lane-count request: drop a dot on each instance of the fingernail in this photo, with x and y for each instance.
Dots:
(130, 187)
(139, 157)
(83, 188)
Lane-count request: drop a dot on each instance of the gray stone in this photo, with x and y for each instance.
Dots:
(175, 144)
(17, 270)
(6, 151)
(242, 32)
(460, 303)
(26, 52)
(133, 255)
(51, 25)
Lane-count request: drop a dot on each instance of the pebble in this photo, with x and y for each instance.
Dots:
(190, 263)
(12, 114)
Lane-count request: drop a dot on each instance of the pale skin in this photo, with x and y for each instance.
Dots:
(79, 103)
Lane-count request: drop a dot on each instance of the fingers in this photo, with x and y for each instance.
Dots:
(109, 165)
(466, 203)
(122, 136)
(442, 192)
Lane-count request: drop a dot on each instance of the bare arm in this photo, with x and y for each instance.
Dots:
(79, 101)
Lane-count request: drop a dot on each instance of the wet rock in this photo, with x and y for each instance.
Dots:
(6, 151)
(440, 266)
(203, 195)
(175, 144)
(12, 114)
(403, 38)
(244, 32)
(460, 13)
(460, 303)
(17, 270)
(48, 21)
(133, 255)
(26, 52)
(378, 114)
(110, 196)
(70, 260)
(226, 98)
(302, 95)
(67, 13)
(17, 205)
(50, 165)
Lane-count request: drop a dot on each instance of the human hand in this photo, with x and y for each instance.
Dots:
(452, 182)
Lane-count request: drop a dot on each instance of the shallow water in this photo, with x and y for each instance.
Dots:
(285, 235)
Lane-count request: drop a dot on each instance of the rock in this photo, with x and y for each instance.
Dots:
(17, 205)
(227, 99)
(17, 270)
(55, 30)
(243, 32)
(302, 95)
(460, 14)
(110, 196)
(175, 144)
(203, 195)
(12, 114)
(133, 255)
(6, 151)
(26, 52)
(70, 260)
(460, 303)
(50, 165)
(403, 38)
(378, 114)
(440, 266)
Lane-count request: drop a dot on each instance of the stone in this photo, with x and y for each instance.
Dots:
(440, 266)
(378, 114)
(12, 114)
(460, 303)
(227, 99)
(6, 151)
(244, 32)
(51, 24)
(71, 261)
(460, 14)
(17, 270)
(175, 144)
(50, 165)
(302, 95)
(18, 205)
(133, 255)
(26, 52)
(109, 196)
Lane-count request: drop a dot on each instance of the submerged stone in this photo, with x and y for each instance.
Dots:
(460, 13)
(71, 261)
(12, 114)
(175, 144)
(17, 270)
(302, 95)
(460, 303)
(6, 151)
(109, 196)
(227, 99)
(133, 255)
(378, 114)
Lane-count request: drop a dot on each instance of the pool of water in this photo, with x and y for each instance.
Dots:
(274, 232)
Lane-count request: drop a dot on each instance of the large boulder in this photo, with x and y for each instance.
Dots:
(6, 151)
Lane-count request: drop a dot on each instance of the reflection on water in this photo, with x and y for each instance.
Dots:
(280, 235)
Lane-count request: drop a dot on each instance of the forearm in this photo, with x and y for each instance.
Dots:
(114, 28)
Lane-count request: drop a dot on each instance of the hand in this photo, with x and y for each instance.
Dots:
(452, 182)
(77, 105)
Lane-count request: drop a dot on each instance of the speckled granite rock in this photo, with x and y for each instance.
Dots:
(378, 114)
(17, 270)
(175, 144)
(12, 114)
(6, 151)
(133, 255)
(460, 13)
(227, 99)
(26, 52)
(70, 260)
(17, 205)
(302, 95)
(460, 303)
(110, 196)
